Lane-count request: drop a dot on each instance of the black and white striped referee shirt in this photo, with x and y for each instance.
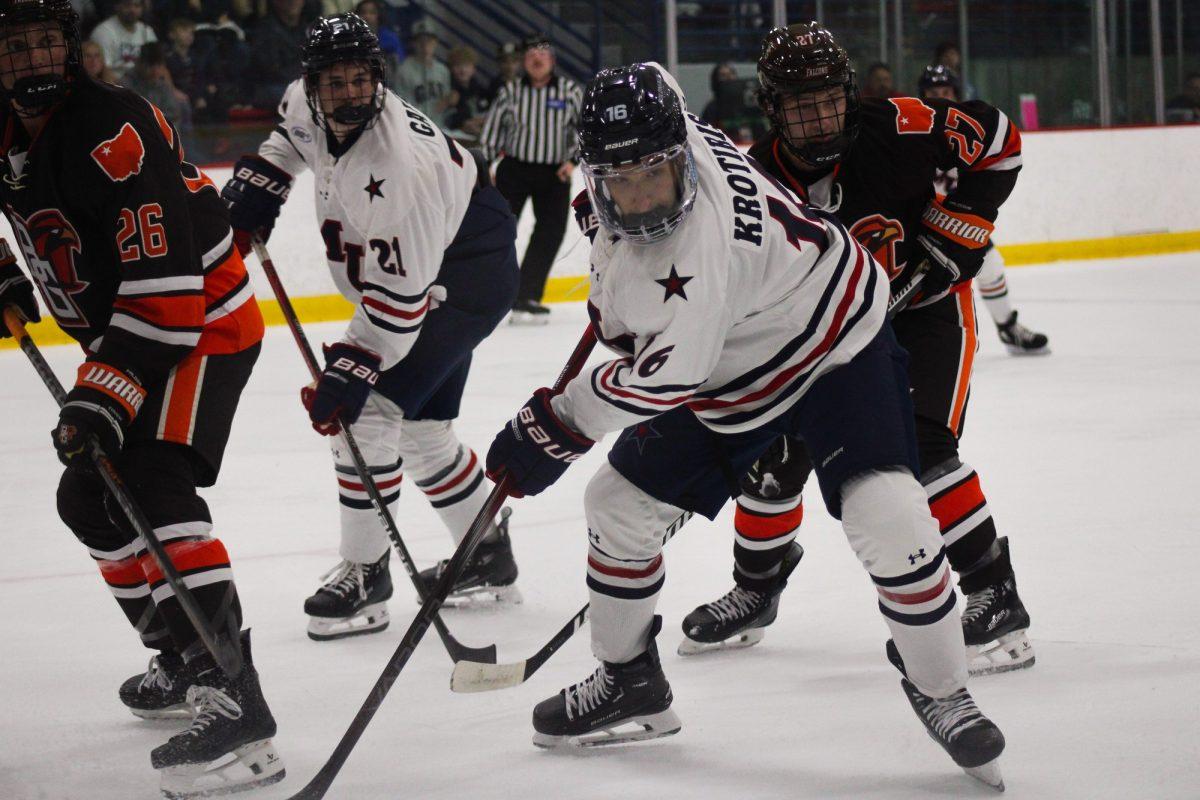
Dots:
(536, 125)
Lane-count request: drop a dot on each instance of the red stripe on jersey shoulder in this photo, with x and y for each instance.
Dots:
(164, 126)
(121, 157)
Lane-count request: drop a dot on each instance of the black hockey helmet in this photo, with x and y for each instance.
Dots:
(632, 141)
(340, 39)
(35, 92)
(801, 59)
(939, 75)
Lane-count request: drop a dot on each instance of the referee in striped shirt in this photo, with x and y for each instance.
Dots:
(531, 124)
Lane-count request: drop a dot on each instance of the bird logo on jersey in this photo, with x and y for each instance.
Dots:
(50, 244)
(880, 236)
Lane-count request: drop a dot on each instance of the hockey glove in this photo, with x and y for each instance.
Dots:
(100, 407)
(15, 290)
(254, 195)
(535, 448)
(953, 241)
(342, 391)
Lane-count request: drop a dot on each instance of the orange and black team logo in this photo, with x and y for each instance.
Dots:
(51, 244)
(880, 236)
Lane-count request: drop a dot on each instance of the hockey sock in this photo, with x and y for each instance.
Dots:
(457, 491)
(763, 531)
(127, 582)
(957, 503)
(364, 540)
(993, 287)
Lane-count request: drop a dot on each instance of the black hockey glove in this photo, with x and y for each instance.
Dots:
(254, 195)
(100, 407)
(342, 391)
(535, 448)
(953, 241)
(15, 290)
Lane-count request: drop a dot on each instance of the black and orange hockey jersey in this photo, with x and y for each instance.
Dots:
(129, 244)
(883, 189)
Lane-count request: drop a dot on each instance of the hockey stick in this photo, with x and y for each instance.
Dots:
(324, 778)
(226, 650)
(900, 300)
(457, 650)
(470, 676)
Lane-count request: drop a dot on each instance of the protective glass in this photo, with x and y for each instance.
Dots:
(647, 200)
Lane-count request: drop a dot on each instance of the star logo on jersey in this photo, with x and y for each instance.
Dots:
(373, 189)
(640, 434)
(673, 284)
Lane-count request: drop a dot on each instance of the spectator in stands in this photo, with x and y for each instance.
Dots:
(948, 54)
(389, 42)
(212, 12)
(1186, 107)
(721, 72)
(468, 94)
(86, 9)
(508, 66)
(94, 65)
(122, 36)
(423, 80)
(275, 45)
(221, 61)
(150, 78)
(879, 82)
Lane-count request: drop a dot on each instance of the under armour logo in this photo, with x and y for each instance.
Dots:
(912, 559)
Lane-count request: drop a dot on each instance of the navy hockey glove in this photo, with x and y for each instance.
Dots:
(535, 448)
(100, 407)
(342, 391)
(15, 290)
(254, 195)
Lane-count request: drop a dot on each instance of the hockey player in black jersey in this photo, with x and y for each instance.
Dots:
(939, 81)
(132, 252)
(872, 162)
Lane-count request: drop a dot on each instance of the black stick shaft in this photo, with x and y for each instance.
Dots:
(320, 784)
(457, 650)
(226, 650)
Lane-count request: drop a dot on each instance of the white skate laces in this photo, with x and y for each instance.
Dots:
(978, 603)
(588, 694)
(209, 703)
(953, 715)
(737, 603)
(345, 578)
(155, 677)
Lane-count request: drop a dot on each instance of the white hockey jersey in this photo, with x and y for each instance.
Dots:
(734, 315)
(388, 206)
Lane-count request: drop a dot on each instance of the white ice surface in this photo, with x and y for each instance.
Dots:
(1088, 458)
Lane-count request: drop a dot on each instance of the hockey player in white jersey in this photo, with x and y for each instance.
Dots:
(736, 313)
(420, 241)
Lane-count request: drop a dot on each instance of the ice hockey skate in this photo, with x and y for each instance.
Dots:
(161, 691)
(995, 625)
(529, 312)
(488, 579)
(740, 618)
(617, 703)
(1019, 340)
(228, 747)
(957, 724)
(352, 602)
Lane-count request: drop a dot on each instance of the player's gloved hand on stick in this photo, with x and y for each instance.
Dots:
(949, 263)
(535, 448)
(254, 195)
(101, 406)
(343, 388)
(15, 290)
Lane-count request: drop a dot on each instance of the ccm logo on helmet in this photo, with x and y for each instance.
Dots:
(261, 181)
(539, 437)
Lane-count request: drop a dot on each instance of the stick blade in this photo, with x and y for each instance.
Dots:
(473, 676)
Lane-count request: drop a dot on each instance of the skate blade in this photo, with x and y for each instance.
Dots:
(371, 619)
(525, 318)
(1014, 350)
(1011, 651)
(650, 726)
(749, 638)
(177, 711)
(988, 773)
(482, 597)
(247, 767)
